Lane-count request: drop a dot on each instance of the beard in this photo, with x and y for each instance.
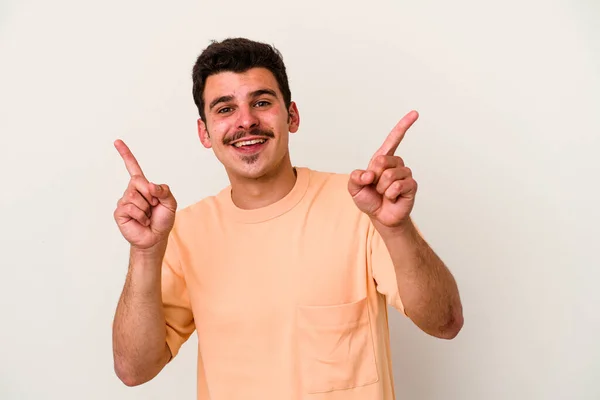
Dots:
(250, 159)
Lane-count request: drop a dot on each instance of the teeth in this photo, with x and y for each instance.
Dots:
(248, 142)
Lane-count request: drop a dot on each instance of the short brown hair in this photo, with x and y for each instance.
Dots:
(237, 55)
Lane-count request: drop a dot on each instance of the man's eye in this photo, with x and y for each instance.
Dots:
(224, 110)
(262, 103)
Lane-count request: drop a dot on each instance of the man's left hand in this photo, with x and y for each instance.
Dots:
(386, 190)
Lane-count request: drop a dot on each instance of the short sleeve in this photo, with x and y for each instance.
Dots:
(382, 269)
(176, 301)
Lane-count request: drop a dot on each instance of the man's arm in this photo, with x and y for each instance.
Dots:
(427, 288)
(145, 215)
(386, 192)
(139, 331)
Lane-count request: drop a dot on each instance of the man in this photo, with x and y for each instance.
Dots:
(285, 274)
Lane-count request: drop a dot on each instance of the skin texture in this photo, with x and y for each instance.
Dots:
(250, 105)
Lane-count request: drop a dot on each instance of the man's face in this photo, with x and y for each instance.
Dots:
(247, 124)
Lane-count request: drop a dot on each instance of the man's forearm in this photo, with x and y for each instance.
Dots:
(428, 290)
(139, 330)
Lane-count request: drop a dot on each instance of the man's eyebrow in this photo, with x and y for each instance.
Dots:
(222, 99)
(261, 92)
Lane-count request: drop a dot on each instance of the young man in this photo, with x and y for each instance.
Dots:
(286, 274)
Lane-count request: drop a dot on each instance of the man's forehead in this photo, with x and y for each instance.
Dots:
(239, 83)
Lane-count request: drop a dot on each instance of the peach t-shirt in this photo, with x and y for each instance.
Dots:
(289, 301)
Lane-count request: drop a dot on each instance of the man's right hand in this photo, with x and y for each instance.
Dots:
(146, 213)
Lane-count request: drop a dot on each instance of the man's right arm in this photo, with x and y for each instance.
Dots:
(139, 331)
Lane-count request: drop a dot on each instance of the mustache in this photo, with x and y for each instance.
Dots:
(253, 132)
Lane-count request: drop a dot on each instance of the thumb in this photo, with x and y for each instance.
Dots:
(163, 193)
(358, 180)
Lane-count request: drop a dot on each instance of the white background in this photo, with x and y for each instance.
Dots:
(505, 152)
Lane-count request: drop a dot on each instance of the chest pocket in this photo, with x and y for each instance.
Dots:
(336, 347)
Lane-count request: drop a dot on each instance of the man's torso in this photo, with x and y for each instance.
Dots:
(284, 303)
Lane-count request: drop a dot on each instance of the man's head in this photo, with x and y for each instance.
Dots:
(237, 55)
(241, 90)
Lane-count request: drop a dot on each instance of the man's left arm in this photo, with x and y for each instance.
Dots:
(386, 192)
(427, 288)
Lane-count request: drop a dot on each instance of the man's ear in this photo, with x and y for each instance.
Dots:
(293, 118)
(203, 134)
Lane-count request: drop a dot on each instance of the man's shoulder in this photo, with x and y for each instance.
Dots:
(203, 210)
(331, 189)
(330, 203)
(330, 179)
(199, 207)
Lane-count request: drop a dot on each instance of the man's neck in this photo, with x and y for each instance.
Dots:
(252, 194)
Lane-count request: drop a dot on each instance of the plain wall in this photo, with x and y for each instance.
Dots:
(505, 153)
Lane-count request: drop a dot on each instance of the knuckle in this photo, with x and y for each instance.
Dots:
(380, 161)
(388, 174)
(132, 210)
(138, 180)
(141, 217)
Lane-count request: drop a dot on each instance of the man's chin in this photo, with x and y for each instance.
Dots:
(255, 170)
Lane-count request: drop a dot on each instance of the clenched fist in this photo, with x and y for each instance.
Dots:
(146, 213)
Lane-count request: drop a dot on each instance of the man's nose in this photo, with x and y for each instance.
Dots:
(247, 118)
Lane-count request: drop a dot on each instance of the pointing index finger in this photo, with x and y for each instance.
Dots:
(130, 162)
(393, 140)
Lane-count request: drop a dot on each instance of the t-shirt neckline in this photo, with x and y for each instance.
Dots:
(271, 211)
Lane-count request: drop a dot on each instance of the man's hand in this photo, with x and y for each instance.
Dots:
(386, 190)
(146, 212)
